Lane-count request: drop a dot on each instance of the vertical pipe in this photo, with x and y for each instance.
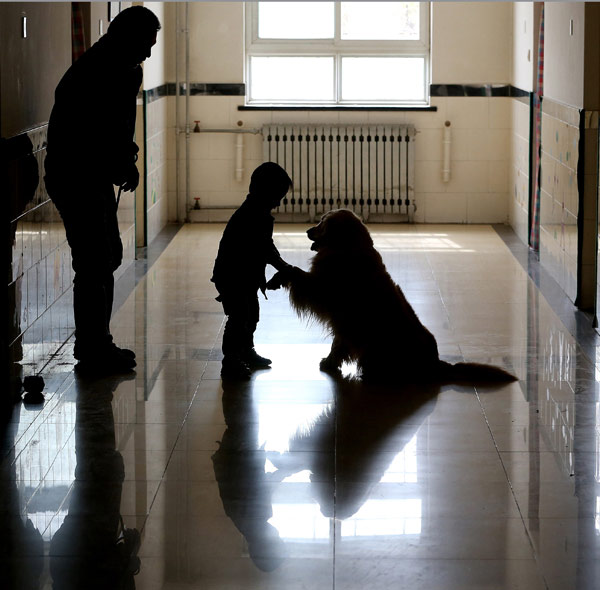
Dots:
(177, 128)
(187, 110)
(239, 157)
(446, 152)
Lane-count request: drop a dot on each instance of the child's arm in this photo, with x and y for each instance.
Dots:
(275, 259)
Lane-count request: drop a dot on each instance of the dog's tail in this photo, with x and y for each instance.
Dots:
(474, 373)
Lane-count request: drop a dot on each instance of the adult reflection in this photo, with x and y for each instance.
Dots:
(92, 549)
(245, 489)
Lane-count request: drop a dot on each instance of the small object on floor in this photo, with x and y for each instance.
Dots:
(255, 361)
(235, 369)
(33, 386)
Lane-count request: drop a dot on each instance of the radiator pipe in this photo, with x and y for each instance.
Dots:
(446, 152)
(187, 110)
(177, 129)
(239, 157)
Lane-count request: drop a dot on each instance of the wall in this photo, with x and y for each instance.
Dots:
(564, 53)
(523, 77)
(467, 54)
(568, 233)
(31, 68)
(153, 112)
(471, 42)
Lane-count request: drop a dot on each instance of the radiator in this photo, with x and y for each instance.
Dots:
(366, 168)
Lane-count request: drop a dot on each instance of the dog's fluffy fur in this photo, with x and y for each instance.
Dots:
(349, 290)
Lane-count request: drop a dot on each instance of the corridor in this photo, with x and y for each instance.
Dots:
(296, 480)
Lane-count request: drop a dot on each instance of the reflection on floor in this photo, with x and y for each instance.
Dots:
(296, 480)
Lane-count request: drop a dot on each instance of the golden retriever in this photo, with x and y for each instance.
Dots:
(350, 291)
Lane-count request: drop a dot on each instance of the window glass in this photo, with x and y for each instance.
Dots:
(296, 20)
(383, 78)
(292, 78)
(391, 21)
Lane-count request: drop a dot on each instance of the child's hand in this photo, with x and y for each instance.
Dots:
(280, 279)
(275, 282)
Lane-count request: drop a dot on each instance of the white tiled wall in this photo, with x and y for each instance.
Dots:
(518, 194)
(559, 207)
(479, 182)
(156, 159)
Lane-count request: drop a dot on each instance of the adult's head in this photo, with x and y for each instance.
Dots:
(271, 182)
(134, 32)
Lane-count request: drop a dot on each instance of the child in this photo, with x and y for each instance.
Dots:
(239, 272)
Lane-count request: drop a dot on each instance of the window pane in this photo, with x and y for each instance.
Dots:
(291, 78)
(383, 21)
(296, 20)
(383, 78)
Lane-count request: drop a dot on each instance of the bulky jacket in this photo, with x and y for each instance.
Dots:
(92, 124)
(246, 248)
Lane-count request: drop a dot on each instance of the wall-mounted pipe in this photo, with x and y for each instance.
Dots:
(225, 130)
(187, 108)
(239, 157)
(446, 152)
(177, 128)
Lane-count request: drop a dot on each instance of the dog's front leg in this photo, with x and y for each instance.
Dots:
(337, 355)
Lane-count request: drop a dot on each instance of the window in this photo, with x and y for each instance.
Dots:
(337, 53)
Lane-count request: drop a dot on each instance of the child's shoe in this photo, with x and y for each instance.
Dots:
(255, 361)
(235, 369)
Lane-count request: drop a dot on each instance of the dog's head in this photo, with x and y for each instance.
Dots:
(339, 229)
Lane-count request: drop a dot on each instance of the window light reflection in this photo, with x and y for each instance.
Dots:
(300, 522)
(404, 242)
(387, 517)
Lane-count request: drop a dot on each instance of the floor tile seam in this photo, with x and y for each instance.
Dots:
(179, 433)
(536, 557)
(38, 426)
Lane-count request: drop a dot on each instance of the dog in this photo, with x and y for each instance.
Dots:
(350, 291)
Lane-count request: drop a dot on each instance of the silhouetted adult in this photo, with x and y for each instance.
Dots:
(90, 151)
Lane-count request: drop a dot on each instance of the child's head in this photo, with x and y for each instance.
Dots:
(271, 182)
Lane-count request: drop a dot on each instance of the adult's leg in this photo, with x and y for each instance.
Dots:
(89, 221)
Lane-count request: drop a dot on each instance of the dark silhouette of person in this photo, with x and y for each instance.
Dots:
(239, 272)
(90, 151)
(246, 490)
(92, 548)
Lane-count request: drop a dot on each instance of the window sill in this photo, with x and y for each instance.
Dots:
(335, 108)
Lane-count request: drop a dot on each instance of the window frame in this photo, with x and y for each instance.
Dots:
(336, 48)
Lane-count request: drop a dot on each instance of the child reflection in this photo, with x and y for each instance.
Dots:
(92, 549)
(352, 445)
(245, 489)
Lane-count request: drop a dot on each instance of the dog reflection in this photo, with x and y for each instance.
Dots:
(351, 445)
(357, 440)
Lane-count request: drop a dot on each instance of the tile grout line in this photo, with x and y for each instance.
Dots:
(512, 491)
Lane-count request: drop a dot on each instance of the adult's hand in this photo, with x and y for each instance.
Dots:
(133, 179)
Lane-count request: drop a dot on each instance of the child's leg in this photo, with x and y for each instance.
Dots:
(236, 335)
(249, 355)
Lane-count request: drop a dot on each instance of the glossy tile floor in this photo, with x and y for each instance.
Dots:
(294, 480)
